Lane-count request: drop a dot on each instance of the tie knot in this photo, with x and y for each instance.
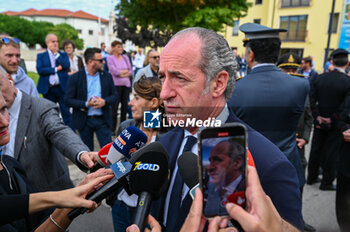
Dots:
(191, 140)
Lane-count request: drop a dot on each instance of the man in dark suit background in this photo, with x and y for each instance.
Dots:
(197, 69)
(91, 93)
(267, 99)
(53, 66)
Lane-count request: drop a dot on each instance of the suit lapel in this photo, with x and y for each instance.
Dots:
(83, 83)
(22, 127)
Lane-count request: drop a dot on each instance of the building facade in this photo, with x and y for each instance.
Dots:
(307, 22)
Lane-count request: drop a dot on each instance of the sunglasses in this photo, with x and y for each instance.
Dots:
(100, 60)
(155, 57)
(7, 40)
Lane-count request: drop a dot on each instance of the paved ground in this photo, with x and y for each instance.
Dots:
(318, 209)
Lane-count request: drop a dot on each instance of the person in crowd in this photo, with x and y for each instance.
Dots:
(307, 70)
(328, 93)
(10, 56)
(139, 60)
(120, 68)
(289, 63)
(103, 50)
(146, 97)
(197, 70)
(243, 66)
(52, 66)
(76, 62)
(151, 70)
(132, 58)
(278, 100)
(39, 139)
(91, 93)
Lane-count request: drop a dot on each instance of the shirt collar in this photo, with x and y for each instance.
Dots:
(262, 64)
(16, 105)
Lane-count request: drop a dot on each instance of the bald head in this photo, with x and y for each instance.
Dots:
(51, 41)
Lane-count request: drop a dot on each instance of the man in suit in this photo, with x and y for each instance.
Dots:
(227, 182)
(267, 99)
(91, 93)
(197, 69)
(151, 70)
(10, 58)
(53, 66)
(39, 139)
(307, 70)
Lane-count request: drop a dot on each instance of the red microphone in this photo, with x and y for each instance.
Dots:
(102, 157)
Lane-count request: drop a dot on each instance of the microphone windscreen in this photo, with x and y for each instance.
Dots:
(129, 140)
(150, 172)
(102, 155)
(188, 167)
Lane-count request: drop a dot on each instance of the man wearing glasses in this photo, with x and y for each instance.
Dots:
(10, 58)
(91, 93)
(52, 67)
(151, 70)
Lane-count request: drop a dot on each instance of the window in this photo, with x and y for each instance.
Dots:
(334, 23)
(297, 51)
(257, 2)
(294, 3)
(79, 31)
(296, 26)
(235, 28)
(91, 32)
(257, 21)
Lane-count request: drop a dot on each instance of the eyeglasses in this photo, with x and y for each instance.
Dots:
(7, 40)
(100, 60)
(155, 57)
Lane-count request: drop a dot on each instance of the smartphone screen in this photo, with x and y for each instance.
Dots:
(223, 160)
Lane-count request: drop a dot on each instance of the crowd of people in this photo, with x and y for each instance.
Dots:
(197, 75)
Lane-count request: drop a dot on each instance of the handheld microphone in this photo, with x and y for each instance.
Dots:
(188, 167)
(121, 169)
(149, 179)
(101, 158)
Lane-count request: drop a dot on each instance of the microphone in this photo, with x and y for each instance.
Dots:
(187, 165)
(149, 179)
(129, 140)
(121, 169)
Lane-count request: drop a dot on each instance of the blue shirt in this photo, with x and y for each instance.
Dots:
(93, 90)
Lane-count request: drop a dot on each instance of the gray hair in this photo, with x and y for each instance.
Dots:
(47, 36)
(216, 56)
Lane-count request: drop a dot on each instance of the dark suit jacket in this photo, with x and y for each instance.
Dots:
(42, 140)
(43, 66)
(277, 176)
(272, 102)
(76, 97)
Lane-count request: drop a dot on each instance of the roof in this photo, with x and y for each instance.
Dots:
(56, 13)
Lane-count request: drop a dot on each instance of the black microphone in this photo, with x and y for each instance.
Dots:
(149, 179)
(121, 170)
(187, 165)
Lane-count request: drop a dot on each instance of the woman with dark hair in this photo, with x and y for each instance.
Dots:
(76, 62)
(121, 70)
(146, 96)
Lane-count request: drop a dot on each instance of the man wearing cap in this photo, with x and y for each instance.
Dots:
(267, 99)
(289, 63)
(328, 94)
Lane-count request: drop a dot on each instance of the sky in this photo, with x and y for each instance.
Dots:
(100, 8)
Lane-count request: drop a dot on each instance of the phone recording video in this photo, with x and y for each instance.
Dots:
(223, 168)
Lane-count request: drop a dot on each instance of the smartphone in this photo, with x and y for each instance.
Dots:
(222, 167)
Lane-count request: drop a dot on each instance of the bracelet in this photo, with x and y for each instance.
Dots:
(54, 222)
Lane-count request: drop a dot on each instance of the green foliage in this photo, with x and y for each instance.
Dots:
(170, 16)
(33, 32)
(34, 76)
(66, 31)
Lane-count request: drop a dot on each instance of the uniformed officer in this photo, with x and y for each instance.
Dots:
(289, 63)
(328, 93)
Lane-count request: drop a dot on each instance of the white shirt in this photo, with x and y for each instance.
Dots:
(9, 149)
(57, 79)
(222, 117)
(139, 60)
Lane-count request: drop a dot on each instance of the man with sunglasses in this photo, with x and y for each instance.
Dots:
(151, 70)
(91, 93)
(53, 67)
(10, 58)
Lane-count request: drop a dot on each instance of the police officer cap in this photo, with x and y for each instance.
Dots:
(289, 60)
(255, 31)
(339, 51)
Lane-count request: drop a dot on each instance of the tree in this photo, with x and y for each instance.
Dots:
(170, 16)
(66, 31)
